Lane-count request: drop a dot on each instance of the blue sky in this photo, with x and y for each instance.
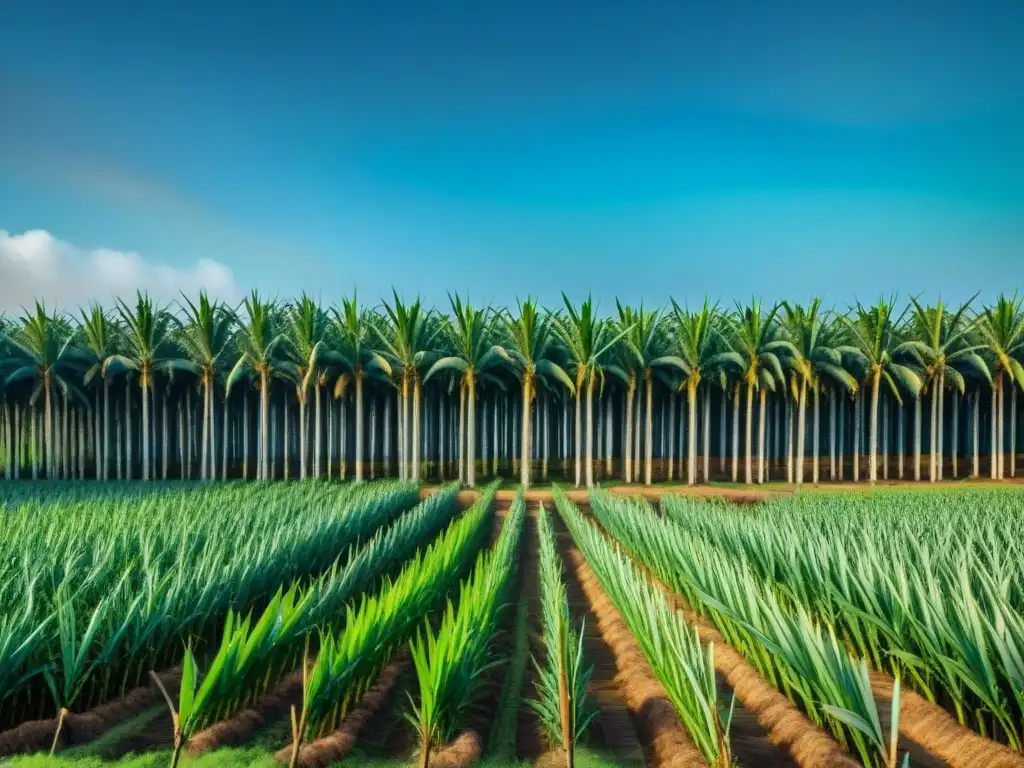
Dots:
(504, 148)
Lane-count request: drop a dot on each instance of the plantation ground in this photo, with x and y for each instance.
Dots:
(777, 720)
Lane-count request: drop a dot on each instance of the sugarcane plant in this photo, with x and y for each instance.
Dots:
(352, 654)
(451, 662)
(673, 649)
(561, 702)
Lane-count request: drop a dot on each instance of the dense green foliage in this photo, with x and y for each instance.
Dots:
(100, 584)
(929, 587)
(677, 658)
(268, 390)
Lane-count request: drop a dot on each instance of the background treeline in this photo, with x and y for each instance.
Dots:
(274, 389)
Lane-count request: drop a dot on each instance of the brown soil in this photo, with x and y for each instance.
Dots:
(243, 726)
(931, 728)
(613, 730)
(323, 752)
(665, 741)
(466, 749)
(81, 728)
(530, 742)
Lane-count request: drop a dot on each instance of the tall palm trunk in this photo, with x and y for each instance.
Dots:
(899, 440)
(671, 435)
(373, 436)
(144, 381)
(303, 444)
(873, 437)
(648, 428)
(106, 428)
(579, 432)
(471, 433)
(736, 433)
(590, 432)
(317, 432)
(975, 438)
(722, 433)
(748, 474)
(461, 451)
(831, 434)
(816, 426)
(165, 440)
(941, 427)
(917, 437)
(1013, 433)
(608, 432)
(760, 436)
(801, 429)
(627, 444)
(994, 455)
(265, 424)
(707, 434)
(691, 431)
(1000, 422)
(855, 453)
(885, 438)
(524, 461)
(48, 416)
(359, 426)
(225, 442)
(934, 434)
(416, 428)
(204, 460)
(955, 442)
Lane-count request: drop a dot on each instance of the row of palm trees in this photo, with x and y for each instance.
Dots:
(259, 388)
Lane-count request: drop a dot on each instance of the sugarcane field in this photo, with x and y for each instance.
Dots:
(287, 536)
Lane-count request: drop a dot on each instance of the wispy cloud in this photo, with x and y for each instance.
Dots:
(36, 265)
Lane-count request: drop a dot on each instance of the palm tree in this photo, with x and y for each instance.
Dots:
(474, 357)
(205, 339)
(354, 328)
(876, 345)
(407, 340)
(258, 340)
(43, 352)
(940, 350)
(817, 364)
(753, 336)
(588, 340)
(147, 336)
(532, 349)
(1001, 328)
(703, 351)
(98, 335)
(305, 328)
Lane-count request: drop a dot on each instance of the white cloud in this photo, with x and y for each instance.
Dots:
(36, 265)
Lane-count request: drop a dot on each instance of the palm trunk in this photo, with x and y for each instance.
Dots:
(524, 462)
(917, 437)
(707, 434)
(736, 433)
(373, 436)
(671, 435)
(1000, 420)
(165, 440)
(204, 460)
(760, 436)
(956, 431)
(801, 428)
(462, 434)
(934, 434)
(359, 427)
(627, 443)
(590, 431)
(976, 468)
(225, 442)
(471, 433)
(607, 426)
(856, 440)
(1013, 432)
(691, 431)
(832, 394)
(994, 455)
(816, 426)
(416, 429)
(941, 427)
(145, 429)
(748, 474)
(579, 434)
(885, 438)
(722, 434)
(648, 428)
(873, 437)
(48, 416)
(899, 440)
(245, 433)
(317, 432)
(546, 435)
